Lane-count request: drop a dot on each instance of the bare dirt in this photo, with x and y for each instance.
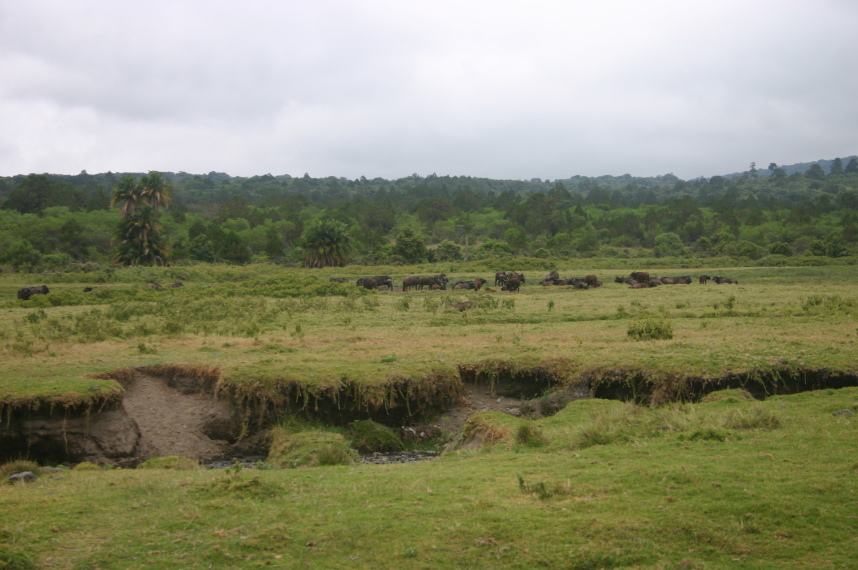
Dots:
(173, 423)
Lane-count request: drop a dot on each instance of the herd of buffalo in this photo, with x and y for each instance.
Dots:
(513, 280)
(506, 280)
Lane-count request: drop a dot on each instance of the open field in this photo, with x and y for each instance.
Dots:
(266, 327)
(727, 482)
(731, 483)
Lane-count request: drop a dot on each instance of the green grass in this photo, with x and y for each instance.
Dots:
(769, 495)
(262, 325)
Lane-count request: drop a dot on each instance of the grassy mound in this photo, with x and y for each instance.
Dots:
(308, 448)
(175, 462)
(368, 436)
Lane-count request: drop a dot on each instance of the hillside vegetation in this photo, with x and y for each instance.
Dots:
(762, 217)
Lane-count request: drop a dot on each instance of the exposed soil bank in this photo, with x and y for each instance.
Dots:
(638, 386)
(176, 410)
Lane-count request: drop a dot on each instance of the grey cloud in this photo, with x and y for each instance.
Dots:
(499, 89)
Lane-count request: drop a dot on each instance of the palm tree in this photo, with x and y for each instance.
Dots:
(326, 243)
(156, 190)
(139, 232)
(140, 240)
(126, 194)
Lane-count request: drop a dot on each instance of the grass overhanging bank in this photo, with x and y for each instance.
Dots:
(276, 342)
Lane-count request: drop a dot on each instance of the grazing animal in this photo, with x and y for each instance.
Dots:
(590, 279)
(476, 284)
(511, 284)
(375, 282)
(703, 279)
(87, 289)
(25, 293)
(554, 276)
(500, 278)
(640, 276)
(724, 280)
(439, 279)
(636, 285)
(410, 283)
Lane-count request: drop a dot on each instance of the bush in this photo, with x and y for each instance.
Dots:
(308, 448)
(530, 436)
(651, 328)
(86, 466)
(371, 437)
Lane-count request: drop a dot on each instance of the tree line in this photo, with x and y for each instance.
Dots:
(49, 221)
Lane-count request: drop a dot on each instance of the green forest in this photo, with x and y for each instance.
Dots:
(774, 215)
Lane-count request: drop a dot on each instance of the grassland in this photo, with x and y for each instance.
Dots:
(726, 483)
(265, 328)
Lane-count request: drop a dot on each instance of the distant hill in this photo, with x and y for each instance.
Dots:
(763, 171)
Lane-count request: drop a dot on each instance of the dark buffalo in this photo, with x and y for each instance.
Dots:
(375, 282)
(440, 280)
(410, 283)
(703, 279)
(511, 284)
(640, 276)
(724, 280)
(475, 285)
(554, 277)
(591, 279)
(682, 280)
(25, 293)
(500, 278)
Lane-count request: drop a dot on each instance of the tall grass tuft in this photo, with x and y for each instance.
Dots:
(756, 417)
(17, 466)
(650, 328)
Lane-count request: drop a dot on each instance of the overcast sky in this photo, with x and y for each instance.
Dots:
(389, 88)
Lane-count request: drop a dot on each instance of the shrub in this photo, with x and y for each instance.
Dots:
(370, 437)
(530, 436)
(308, 448)
(650, 328)
(86, 466)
